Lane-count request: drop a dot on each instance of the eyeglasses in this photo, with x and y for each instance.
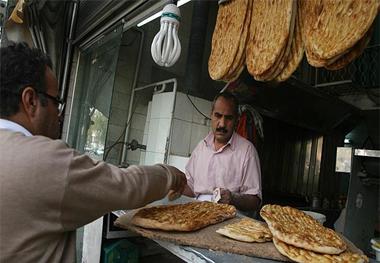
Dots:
(57, 101)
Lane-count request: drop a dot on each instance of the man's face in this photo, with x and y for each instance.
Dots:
(48, 120)
(223, 120)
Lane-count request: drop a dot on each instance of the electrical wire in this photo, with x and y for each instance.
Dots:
(195, 107)
(109, 148)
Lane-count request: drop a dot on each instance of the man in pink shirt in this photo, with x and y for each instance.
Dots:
(225, 160)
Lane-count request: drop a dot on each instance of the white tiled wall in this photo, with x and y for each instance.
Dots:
(162, 105)
(153, 158)
(180, 139)
(203, 106)
(183, 108)
(188, 128)
(198, 132)
(186, 136)
(178, 161)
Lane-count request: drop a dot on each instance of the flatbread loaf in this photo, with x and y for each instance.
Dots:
(226, 37)
(339, 26)
(283, 58)
(183, 217)
(305, 256)
(269, 34)
(247, 230)
(296, 53)
(353, 54)
(296, 228)
(239, 60)
(332, 30)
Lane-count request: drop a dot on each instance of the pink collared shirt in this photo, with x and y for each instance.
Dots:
(235, 166)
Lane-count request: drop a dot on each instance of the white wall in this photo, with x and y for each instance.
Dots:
(188, 128)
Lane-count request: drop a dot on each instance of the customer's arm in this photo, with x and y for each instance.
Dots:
(94, 188)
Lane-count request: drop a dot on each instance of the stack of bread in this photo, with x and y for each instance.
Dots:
(336, 32)
(227, 56)
(270, 36)
(301, 238)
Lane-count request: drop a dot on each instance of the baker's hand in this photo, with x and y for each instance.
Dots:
(178, 185)
(225, 196)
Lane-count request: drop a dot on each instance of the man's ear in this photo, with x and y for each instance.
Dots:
(29, 100)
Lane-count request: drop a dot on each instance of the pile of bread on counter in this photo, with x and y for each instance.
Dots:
(270, 37)
(295, 234)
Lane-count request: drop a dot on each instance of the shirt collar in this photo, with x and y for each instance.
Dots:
(13, 126)
(209, 141)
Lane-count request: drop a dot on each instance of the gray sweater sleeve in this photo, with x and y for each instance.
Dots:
(94, 188)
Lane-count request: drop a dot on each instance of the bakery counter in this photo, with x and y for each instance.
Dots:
(205, 245)
(201, 255)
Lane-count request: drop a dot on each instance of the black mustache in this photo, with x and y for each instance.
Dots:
(221, 130)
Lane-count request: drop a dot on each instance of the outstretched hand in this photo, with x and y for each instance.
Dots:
(179, 183)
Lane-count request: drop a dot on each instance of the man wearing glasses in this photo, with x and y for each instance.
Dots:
(47, 189)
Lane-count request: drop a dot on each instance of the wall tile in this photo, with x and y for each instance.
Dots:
(203, 106)
(118, 117)
(158, 133)
(138, 121)
(141, 108)
(135, 134)
(153, 158)
(149, 111)
(114, 132)
(178, 161)
(145, 139)
(142, 157)
(121, 100)
(133, 156)
(183, 108)
(162, 105)
(198, 133)
(180, 140)
(147, 123)
(133, 163)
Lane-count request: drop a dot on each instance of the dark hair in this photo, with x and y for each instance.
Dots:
(20, 66)
(228, 96)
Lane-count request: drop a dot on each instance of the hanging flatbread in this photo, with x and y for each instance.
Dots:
(234, 76)
(296, 228)
(296, 53)
(226, 37)
(247, 230)
(282, 60)
(305, 256)
(269, 34)
(309, 11)
(239, 60)
(340, 25)
(353, 54)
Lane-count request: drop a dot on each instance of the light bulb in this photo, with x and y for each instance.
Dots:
(166, 47)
